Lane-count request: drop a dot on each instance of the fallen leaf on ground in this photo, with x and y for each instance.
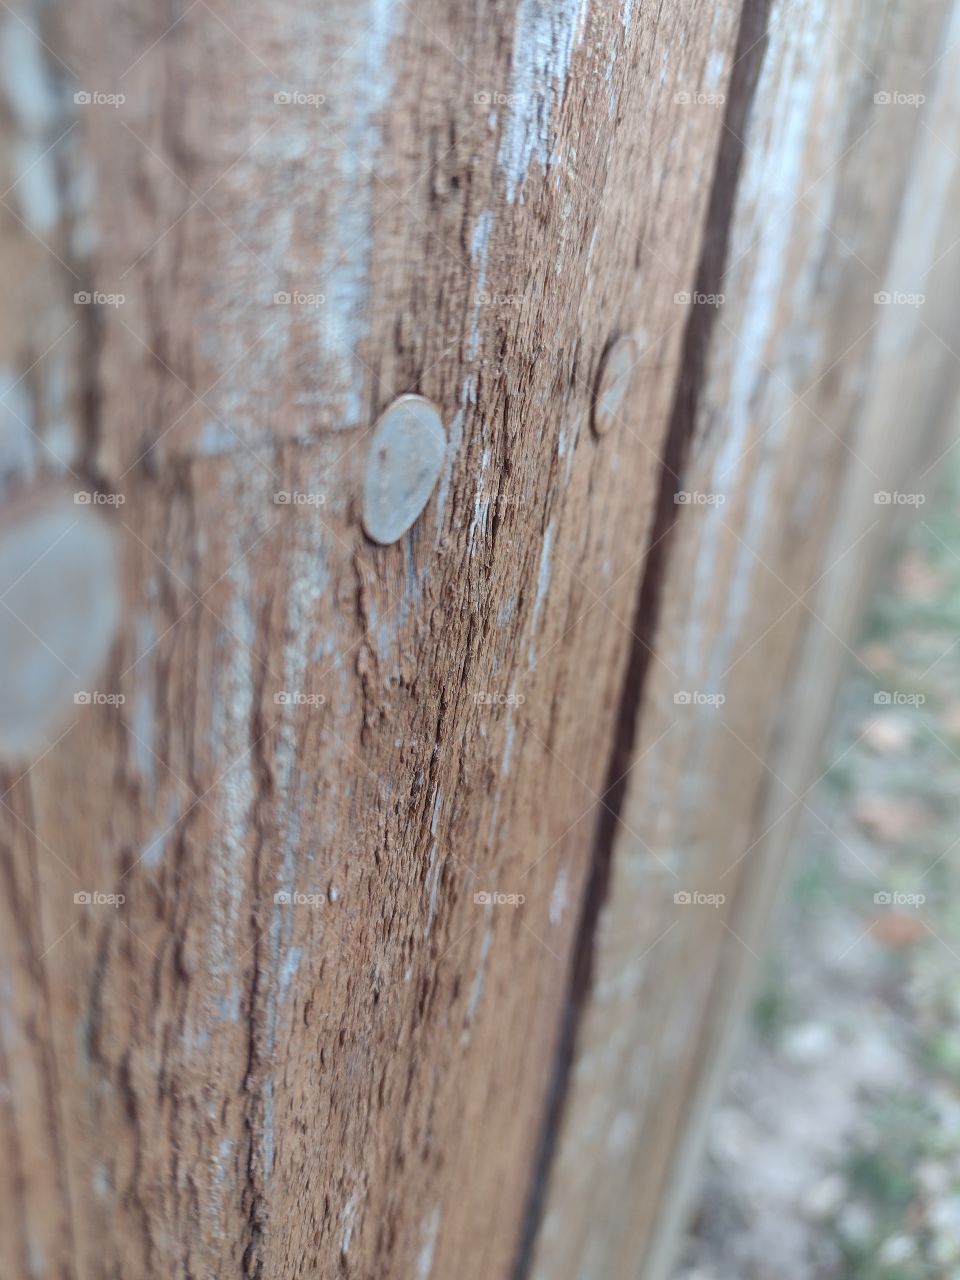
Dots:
(891, 819)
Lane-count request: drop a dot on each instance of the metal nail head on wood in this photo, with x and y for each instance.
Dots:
(613, 383)
(404, 464)
(409, 446)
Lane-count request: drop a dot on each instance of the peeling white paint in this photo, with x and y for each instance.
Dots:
(17, 425)
(234, 794)
(27, 83)
(544, 40)
(476, 989)
(288, 971)
(353, 155)
(481, 505)
(143, 713)
(29, 89)
(268, 1136)
(429, 1231)
(433, 883)
(771, 183)
(479, 256)
(153, 849)
(348, 1220)
(35, 185)
(543, 586)
(558, 898)
(508, 738)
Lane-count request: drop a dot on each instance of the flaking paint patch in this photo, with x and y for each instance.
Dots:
(348, 1221)
(327, 164)
(35, 185)
(509, 735)
(558, 898)
(268, 1133)
(479, 256)
(29, 89)
(476, 989)
(481, 504)
(288, 971)
(153, 849)
(433, 883)
(543, 586)
(429, 1231)
(27, 84)
(235, 792)
(545, 35)
(769, 182)
(356, 146)
(17, 428)
(306, 589)
(143, 712)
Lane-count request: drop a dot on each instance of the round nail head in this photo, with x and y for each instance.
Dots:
(613, 383)
(406, 457)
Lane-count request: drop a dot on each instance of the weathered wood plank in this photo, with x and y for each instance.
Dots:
(798, 423)
(352, 1082)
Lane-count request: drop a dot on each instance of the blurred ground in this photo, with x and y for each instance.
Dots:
(836, 1150)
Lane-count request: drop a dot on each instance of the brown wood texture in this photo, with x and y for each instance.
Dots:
(796, 425)
(300, 1045)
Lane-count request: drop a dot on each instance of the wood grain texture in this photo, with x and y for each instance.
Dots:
(797, 425)
(304, 1026)
(209, 1080)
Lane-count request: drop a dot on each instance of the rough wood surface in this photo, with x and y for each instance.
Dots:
(302, 1044)
(352, 1083)
(796, 426)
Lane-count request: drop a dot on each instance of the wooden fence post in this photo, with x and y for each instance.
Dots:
(350, 772)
